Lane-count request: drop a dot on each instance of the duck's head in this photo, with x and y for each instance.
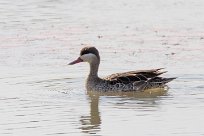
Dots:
(87, 54)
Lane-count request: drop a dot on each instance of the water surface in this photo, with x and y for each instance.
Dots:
(41, 95)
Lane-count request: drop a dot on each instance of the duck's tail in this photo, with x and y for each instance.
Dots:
(156, 82)
(166, 80)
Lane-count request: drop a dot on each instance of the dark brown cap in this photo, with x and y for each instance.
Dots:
(90, 49)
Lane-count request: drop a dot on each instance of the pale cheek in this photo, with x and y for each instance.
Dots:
(87, 58)
(84, 59)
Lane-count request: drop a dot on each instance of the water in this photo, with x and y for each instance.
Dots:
(41, 95)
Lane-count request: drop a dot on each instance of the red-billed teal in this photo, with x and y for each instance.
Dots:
(127, 81)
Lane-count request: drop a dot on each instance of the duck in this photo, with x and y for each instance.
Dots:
(136, 81)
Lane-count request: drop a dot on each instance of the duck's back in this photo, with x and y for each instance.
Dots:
(135, 80)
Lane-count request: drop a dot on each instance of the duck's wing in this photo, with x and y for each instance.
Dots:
(134, 76)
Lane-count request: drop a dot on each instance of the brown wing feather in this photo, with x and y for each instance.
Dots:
(132, 76)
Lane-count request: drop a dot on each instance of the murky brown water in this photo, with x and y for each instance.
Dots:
(41, 95)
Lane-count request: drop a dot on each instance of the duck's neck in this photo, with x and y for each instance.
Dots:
(93, 70)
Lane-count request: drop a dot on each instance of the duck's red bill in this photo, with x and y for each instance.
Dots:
(76, 61)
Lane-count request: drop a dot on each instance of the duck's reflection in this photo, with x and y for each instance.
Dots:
(91, 123)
